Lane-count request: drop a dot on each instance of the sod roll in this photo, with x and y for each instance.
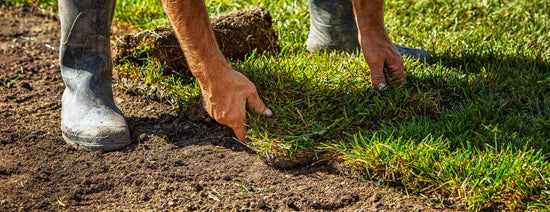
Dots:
(238, 34)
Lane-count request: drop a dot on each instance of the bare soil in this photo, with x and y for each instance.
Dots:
(177, 162)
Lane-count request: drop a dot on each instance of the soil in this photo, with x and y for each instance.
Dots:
(240, 33)
(177, 162)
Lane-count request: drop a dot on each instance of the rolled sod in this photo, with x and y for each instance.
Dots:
(238, 34)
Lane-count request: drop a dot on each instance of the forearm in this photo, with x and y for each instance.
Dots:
(191, 24)
(369, 15)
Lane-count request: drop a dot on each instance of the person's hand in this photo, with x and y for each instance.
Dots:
(226, 93)
(382, 55)
(226, 97)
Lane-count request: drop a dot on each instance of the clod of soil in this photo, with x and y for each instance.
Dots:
(238, 34)
(279, 159)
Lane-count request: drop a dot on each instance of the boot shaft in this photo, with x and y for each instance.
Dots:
(334, 13)
(85, 17)
(332, 25)
(85, 56)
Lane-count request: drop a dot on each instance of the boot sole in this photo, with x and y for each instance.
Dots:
(107, 144)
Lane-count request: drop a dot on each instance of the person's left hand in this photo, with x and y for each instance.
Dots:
(380, 53)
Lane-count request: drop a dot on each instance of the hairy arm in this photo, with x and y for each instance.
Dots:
(226, 93)
(378, 49)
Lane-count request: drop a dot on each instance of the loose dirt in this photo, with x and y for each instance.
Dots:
(177, 162)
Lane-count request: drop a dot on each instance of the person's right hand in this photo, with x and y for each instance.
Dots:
(226, 97)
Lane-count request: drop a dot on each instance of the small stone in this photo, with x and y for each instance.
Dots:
(26, 85)
(192, 207)
(143, 137)
(145, 197)
(261, 203)
(171, 203)
(119, 100)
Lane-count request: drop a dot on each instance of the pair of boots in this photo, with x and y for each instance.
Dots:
(90, 118)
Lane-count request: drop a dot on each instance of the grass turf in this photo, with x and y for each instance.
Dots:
(470, 131)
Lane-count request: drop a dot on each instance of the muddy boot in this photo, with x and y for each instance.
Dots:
(89, 118)
(333, 27)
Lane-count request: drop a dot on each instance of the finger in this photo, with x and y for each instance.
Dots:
(397, 70)
(235, 119)
(240, 131)
(377, 75)
(256, 104)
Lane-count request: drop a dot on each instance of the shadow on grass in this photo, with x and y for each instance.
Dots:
(473, 62)
(510, 90)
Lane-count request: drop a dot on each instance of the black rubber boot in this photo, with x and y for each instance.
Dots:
(89, 118)
(333, 27)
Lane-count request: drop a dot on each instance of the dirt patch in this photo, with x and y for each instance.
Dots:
(177, 162)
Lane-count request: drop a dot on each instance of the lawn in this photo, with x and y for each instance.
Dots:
(469, 131)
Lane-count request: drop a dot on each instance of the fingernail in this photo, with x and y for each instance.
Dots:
(382, 86)
(268, 113)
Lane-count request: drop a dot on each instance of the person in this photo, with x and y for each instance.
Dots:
(91, 120)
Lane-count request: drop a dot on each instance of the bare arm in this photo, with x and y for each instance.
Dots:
(378, 49)
(226, 93)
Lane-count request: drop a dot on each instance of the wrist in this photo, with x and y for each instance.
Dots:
(368, 29)
(209, 70)
(211, 74)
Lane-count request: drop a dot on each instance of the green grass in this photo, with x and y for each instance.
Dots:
(471, 130)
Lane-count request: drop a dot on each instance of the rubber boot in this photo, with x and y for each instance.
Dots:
(89, 117)
(333, 27)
